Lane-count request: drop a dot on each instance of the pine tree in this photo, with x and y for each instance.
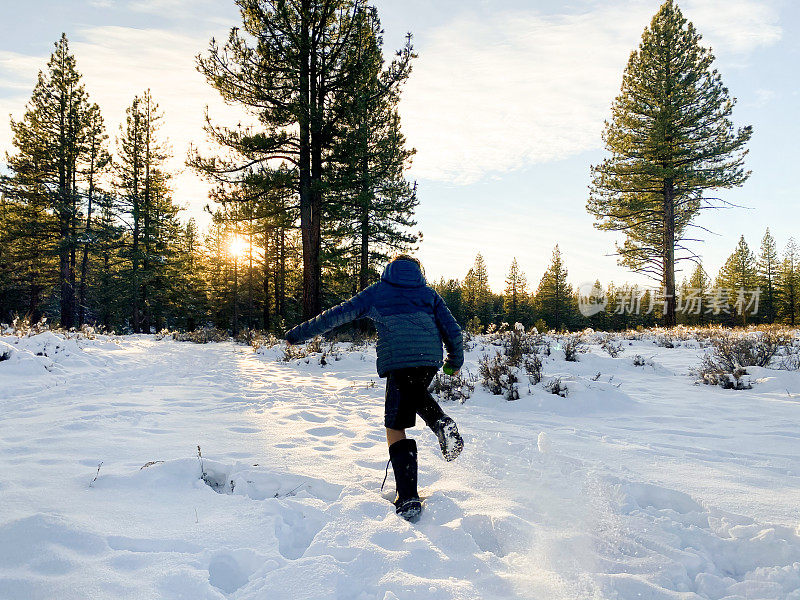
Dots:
(98, 160)
(554, 301)
(516, 294)
(671, 139)
(789, 286)
(295, 80)
(111, 290)
(767, 271)
(376, 203)
(477, 296)
(452, 293)
(143, 185)
(49, 143)
(698, 287)
(739, 276)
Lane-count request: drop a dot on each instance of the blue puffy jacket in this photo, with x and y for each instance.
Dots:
(411, 318)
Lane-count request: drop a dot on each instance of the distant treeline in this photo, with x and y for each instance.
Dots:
(311, 199)
(748, 289)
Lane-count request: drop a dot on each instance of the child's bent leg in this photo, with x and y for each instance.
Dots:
(428, 408)
(395, 435)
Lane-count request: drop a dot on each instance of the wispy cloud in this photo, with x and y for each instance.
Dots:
(491, 94)
(120, 62)
(736, 26)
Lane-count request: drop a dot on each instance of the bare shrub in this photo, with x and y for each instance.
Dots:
(533, 367)
(204, 335)
(733, 351)
(499, 376)
(612, 347)
(452, 387)
(262, 339)
(314, 346)
(557, 387)
(24, 327)
(573, 345)
(518, 343)
(294, 352)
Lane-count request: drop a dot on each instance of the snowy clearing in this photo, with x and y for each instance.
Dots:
(638, 484)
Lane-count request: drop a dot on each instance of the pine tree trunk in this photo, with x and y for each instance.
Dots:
(85, 258)
(265, 316)
(146, 231)
(276, 272)
(235, 295)
(73, 235)
(280, 305)
(249, 279)
(64, 222)
(106, 291)
(669, 254)
(304, 165)
(317, 92)
(135, 308)
(363, 267)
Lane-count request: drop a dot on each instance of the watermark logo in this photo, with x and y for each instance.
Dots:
(715, 301)
(591, 299)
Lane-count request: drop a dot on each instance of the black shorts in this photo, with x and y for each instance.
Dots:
(407, 394)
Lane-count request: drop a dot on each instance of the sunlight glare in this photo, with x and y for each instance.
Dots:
(237, 247)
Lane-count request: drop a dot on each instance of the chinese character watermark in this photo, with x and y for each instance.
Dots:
(693, 301)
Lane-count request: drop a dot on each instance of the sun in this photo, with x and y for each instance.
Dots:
(237, 247)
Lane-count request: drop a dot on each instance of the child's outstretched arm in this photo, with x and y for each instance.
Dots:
(451, 333)
(347, 311)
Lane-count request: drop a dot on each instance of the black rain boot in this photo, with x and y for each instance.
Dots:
(450, 441)
(403, 455)
(444, 427)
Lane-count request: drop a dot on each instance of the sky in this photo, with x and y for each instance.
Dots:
(505, 107)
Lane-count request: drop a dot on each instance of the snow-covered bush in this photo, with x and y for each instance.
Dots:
(499, 375)
(557, 387)
(258, 339)
(502, 373)
(733, 351)
(612, 346)
(572, 346)
(5, 352)
(533, 367)
(23, 327)
(312, 348)
(738, 379)
(452, 387)
(641, 361)
(201, 336)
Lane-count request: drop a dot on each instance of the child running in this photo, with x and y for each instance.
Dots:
(412, 322)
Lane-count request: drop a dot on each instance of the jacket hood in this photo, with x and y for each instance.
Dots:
(404, 273)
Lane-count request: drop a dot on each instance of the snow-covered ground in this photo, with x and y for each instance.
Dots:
(638, 485)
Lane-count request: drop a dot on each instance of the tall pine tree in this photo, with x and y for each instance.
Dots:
(377, 203)
(50, 149)
(789, 287)
(554, 301)
(516, 294)
(295, 78)
(767, 271)
(740, 277)
(671, 139)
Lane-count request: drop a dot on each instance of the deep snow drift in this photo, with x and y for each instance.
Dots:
(638, 484)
